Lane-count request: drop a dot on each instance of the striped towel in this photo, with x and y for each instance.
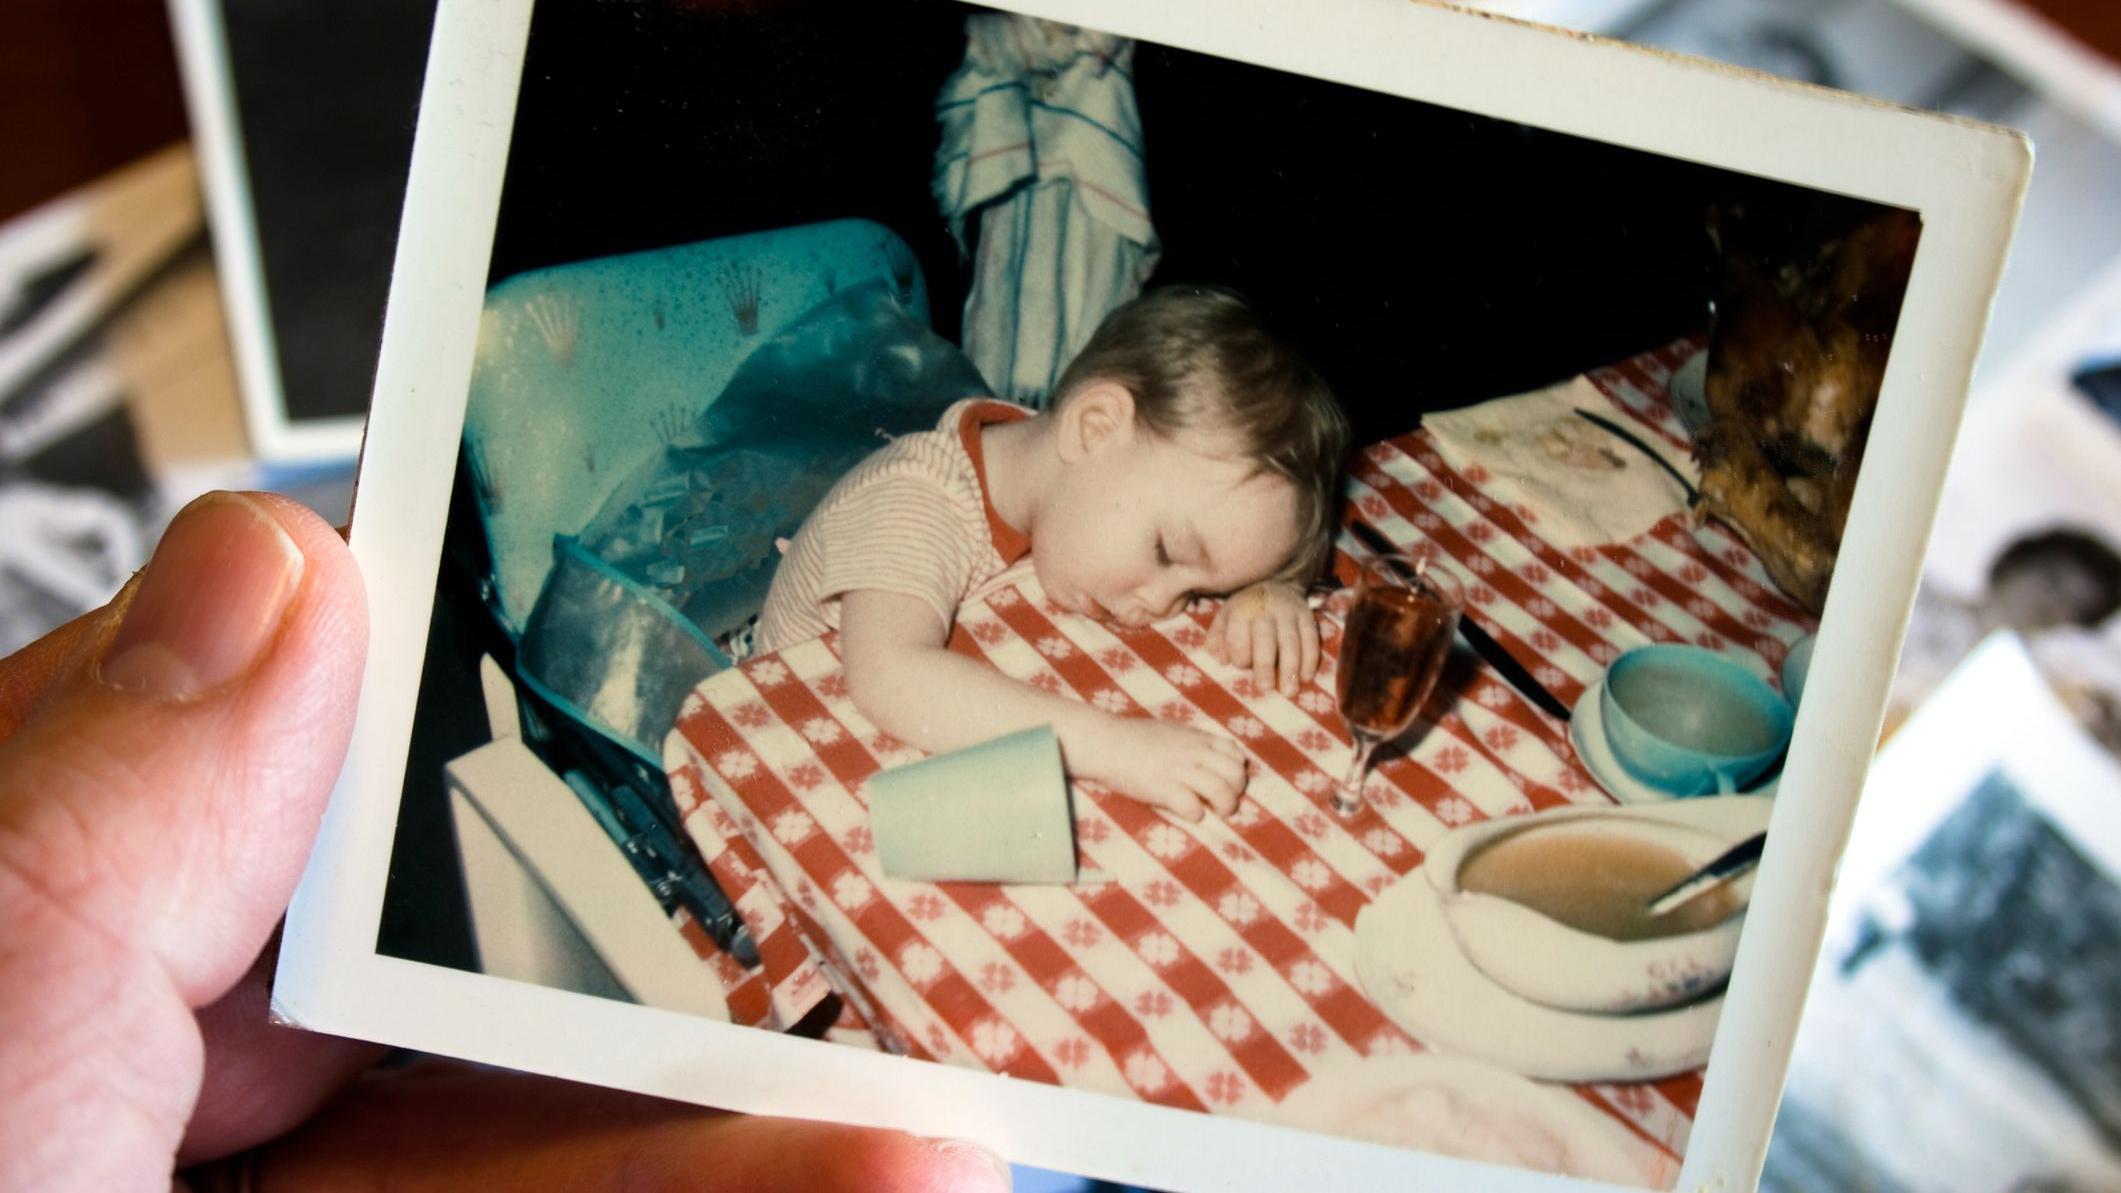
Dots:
(1042, 144)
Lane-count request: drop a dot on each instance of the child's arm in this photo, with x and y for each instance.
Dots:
(903, 677)
(1270, 628)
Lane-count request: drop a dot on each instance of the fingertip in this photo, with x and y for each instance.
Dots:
(323, 547)
(300, 521)
(877, 1161)
(950, 1165)
(322, 640)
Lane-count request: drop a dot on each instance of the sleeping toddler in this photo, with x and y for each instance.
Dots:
(1187, 453)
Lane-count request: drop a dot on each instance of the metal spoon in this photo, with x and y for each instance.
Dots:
(1731, 864)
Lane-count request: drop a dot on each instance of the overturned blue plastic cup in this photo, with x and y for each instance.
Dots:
(1689, 722)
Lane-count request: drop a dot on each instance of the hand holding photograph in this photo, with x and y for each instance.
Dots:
(801, 423)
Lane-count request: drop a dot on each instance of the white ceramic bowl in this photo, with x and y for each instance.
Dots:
(1554, 964)
(1796, 666)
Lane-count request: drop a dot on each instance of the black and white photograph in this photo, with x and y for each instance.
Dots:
(1970, 957)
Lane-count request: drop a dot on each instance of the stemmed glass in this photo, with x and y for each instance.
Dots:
(1392, 648)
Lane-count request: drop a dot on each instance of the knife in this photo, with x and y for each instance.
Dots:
(1693, 495)
(1494, 653)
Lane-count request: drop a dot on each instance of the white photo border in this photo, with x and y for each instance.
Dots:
(1965, 180)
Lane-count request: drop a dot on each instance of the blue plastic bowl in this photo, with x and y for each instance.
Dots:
(1689, 722)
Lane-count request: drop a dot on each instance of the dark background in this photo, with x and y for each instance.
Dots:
(327, 94)
(1425, 258)
(85, 88)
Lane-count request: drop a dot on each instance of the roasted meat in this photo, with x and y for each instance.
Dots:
(1797, 352)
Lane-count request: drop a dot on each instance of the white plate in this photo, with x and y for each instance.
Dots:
(1795, 667)
(1474, 1111)
(1689, 391)
(1587, 735)
(1409, 963)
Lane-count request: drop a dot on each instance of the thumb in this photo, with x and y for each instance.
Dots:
(157, 804)
(166, 791)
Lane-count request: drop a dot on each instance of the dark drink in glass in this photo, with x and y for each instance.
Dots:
(1392, 649)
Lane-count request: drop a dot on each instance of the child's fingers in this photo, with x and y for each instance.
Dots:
(1217, 774)
(1225, 767)
(1226, 761)
(1263, 653)
(1238, 642)
(1307, 633)
(1218, 626)
(1289, 654)
(1170, 791)
(1180, 801)
(1223, 800)
(1217, 787)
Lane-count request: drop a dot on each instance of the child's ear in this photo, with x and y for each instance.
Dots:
(1096, 416)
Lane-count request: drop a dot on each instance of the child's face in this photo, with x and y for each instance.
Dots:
(1139, 523)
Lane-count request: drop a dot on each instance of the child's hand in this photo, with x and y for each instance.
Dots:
(1175, 768)
(1270, 628)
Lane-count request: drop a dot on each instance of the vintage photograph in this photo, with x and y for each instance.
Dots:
(1970, 955)
(1018, 548)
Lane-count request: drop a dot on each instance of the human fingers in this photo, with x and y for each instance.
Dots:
(1289, 647)
(1237, 635)
(1218, 628)
(1226, 757)
(1213, 750)
(1307, 632)
(1180, 798)
(443, 1126)
(1263, 640)
(28, 673)
(1222, 765)
(1171, 787)
(1218, 785)
(155, 808)
(262, 1079)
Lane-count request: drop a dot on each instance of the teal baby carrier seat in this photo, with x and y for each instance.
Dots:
(641, 432)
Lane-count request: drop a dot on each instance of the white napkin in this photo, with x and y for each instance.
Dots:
(1585, 485)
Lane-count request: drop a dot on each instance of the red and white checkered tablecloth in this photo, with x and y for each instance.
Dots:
(1214, 970)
